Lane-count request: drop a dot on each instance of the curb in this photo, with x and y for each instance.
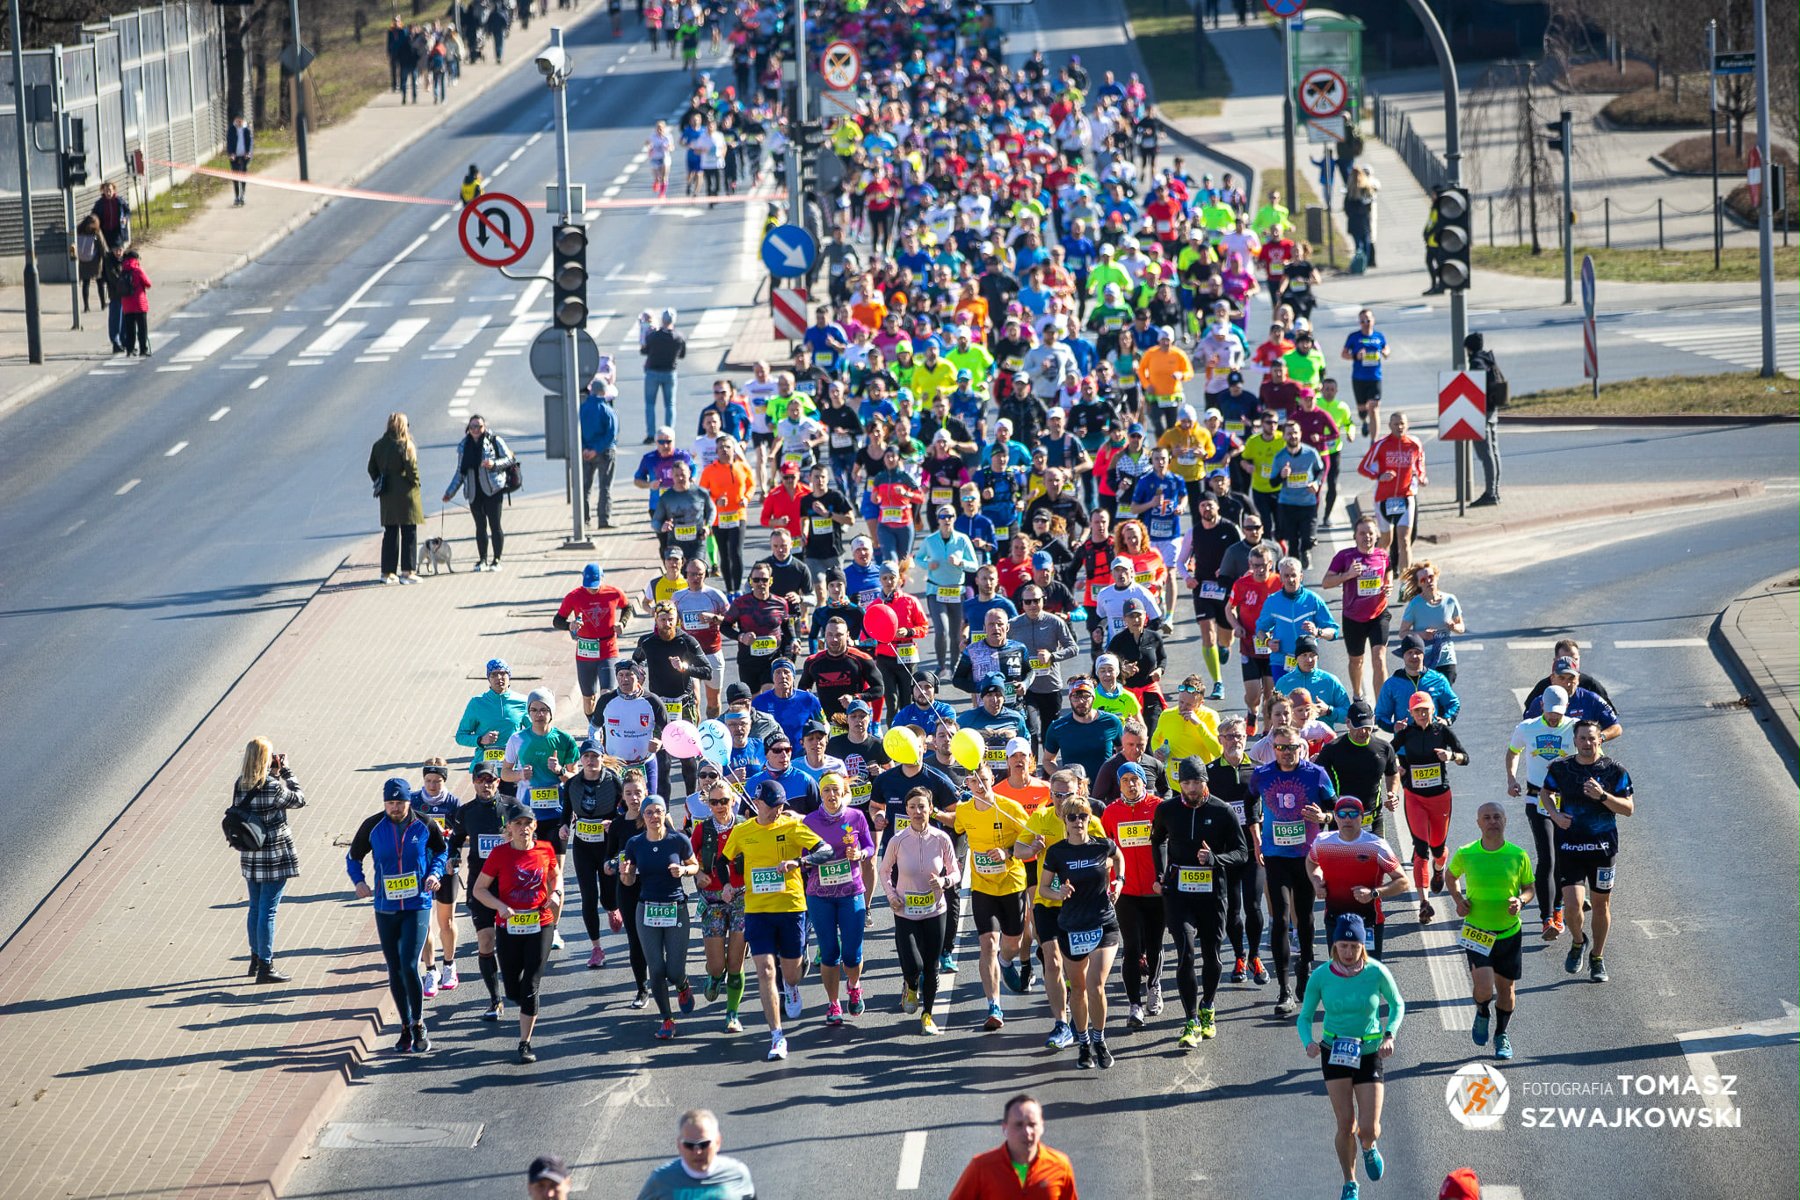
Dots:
(367, 168)
(1197, 146)
(1742, 491)
(1680, 419)
(1741, 654)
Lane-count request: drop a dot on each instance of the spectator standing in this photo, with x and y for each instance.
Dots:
(662, 349)
(115, 215)
(1488, 448)
(134, 305)
(90, 258)
(394, 470)
(396, 45)
(268, 789)
(481, 461)
(599, 447)
(240, 143)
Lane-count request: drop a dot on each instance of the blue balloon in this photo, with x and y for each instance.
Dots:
(715, 743)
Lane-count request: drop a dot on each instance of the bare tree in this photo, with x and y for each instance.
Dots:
(1510, 105)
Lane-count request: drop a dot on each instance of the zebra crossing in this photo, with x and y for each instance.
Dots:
(1739, 345)
(419, 335)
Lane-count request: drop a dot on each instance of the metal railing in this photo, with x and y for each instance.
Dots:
(1395, 129)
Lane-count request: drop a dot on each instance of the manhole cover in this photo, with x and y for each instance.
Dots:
(390, 1135)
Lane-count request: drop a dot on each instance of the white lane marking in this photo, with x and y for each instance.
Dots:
(187, 316)
(1545, 644)
(461, 332)
(1658, 643)
(258, 382)
(523, 329)
(912, 1160)
(484, 363)
(529, 297)
(188, 367)
(625, 1092)
(106, 371)
(1551, 429)
(514, 156)
(374, 279)
(306, 362)
(1449, 979)
(630, 170)
(216, 416)
(1477, 647)
(177, 448)
(248, 312)
(440, 222)
(335, 338)
(266, 345)
(534, 139)
(1701, 1045)
(714, 324)
(497, 170)
(373, 304)
(610, 192)
(423, 301)
(207, 344)
(372, 358)
(74, 527)
(394, 338)
(1501, 1191)
(127, 486)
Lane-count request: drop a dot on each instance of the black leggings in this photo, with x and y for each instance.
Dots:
(1332, 462)
(1243, 912)
(730, 543)
(1287, 874)
(919, 943)
(1041, 708)
(1195, 919)
(522, 961)
(640, 965)
(881, 224)
(486, 511)
(588, 859)
(1141, 925)
(1543, 871)
(896, 683)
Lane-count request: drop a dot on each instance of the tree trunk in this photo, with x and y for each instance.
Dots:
(260, 96)
(237, 46)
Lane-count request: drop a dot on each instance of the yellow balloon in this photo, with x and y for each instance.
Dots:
(903, 746)
(966, 747)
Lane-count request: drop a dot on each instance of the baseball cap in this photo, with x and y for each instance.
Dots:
(1132, 606)
(1563, 666)
(964, 372)
(1555, 699)
(993, 681)
(769, 792)
(1361, 715)
(1218, 472)
(1420, 699)
(1306, 644)
(1040, 559)
(590, 746)
(486, 767)
(1348, 804)
(516, 810)
(396, 788)
(1018, 745)
(1233, 377)
(547, 1166)
(790, 468)
(815, 726)
(1411, 641)
(591, 575)
(1135, 429)
(889, 567)
(857, 706)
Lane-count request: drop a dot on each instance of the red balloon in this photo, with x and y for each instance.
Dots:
(880, 623)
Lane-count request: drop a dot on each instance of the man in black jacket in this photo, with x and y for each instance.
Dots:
(1488, 448)
(1193, 840)
(661, 350)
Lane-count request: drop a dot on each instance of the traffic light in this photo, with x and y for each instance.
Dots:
(569, 277)
(1560, 134)
(1454, 238)
(74, 162)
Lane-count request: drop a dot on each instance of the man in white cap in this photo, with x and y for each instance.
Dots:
(1542, 740)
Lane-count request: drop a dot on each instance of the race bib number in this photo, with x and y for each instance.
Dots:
(1040, 662)
(1167, 401)
(1145, 577)
(860, 790)
(1188, 458)
(767, 881)
(485, 842)
(589, 831)
(1133, 834)
(493, 754)
(731, 520)
(1194, 879)
(587, 647)
(942, 496)
(918, 904)
(1371, 585)
(994, 754)
(693, 620)
(837, 874)
(989, 862)
(949, 593)
(906, 652)
(841, 440)
(763, 647)
(1603, 879)
(1395, 508)
(1424, 777)
(1265, 644)
(1299, 478)
(1346, 1052)
(1290, 833)
(1290, 662)
(1212, 589)
(894, 514)
(1476, 941)
(1237, 809)
(795, 457)
(525, 922)
(661, 916)
(543, 798)
(400, 887)
(1083, 942)
(1002, 531)
(818, 527)
(687, 533)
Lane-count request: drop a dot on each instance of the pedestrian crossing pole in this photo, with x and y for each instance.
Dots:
(1765, 211)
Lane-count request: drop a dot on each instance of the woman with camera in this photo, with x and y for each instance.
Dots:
(482, 459)
(268, 789)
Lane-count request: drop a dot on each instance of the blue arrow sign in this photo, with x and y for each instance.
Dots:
(789, 251)
(1285, 8)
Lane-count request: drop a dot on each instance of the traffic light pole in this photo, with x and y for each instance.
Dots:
(1568, 209)
(571, 381)
(1765, 211)
(66, 188)
(1287, 115)
(34, 333)
(797, 152)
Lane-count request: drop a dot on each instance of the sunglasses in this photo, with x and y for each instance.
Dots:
(1287, 748)
(1054, 795)
(695, 1146)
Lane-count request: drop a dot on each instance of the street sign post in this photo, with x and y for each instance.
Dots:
(546, 359)
(840, 66)
(788, 306)
(1323, 93)
(1753, 175)
(1285, 8)
(1326, 131)
(495, 229)
(1462, 418)
(1590, 333)
(789, 252)
(1734, 62)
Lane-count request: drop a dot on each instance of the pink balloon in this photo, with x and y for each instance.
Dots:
(681, 739)
(880, 623)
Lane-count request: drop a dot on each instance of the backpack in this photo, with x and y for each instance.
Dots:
(129, 287)
(243, 826)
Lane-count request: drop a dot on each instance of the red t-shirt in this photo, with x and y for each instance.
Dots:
(1249, 595)
(781, 509)
(594, 617)
(1013, 574)
(1128, 825)
(522, 878)
(1404, 456)
(1350, 865)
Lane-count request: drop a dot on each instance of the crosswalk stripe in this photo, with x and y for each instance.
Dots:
(714, 323)
(1659, 643)
(208, 343)
(524, 327)
(461, 332)
(397, 335)
(269, 343)
(333, 339)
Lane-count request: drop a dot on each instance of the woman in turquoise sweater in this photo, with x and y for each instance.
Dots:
(1350, 988)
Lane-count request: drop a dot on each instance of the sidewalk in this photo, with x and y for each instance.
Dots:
(1758, 634)
(1534, 506)
(139, 1061)
(220, 238)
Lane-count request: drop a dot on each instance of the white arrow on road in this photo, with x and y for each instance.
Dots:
(1702, 1044)
(791, 256)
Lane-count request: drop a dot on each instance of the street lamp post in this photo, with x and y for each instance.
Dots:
(34, 336)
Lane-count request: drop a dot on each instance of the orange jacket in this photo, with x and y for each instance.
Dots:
(991, 1176)
(729, 484)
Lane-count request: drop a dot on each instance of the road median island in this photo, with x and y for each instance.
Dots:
(126, 1003)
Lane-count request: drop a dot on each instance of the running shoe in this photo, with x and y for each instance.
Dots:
(1217, 692)
(1025, 975)
(685, 997)
(777, 1047)
(1372, 1163)
(1437, 881)
(995, 1018)
(793, 1005)
(1572, 960)
(732, 1024)
(855, 1007)
(405, 1044)
(492, 1012)
(1153, 1003)
(526, 1053)
(1258, 973)
(666, 1030)
(909, 1000)
(421, 1039)
(947, 964)
(1061, 1037)
(1351, 1190)
(641, 999)
(1551, 929)
(1102, 1054)
(1190, 1035)
(429, 983)
(1426, 912)
(928, 1026)
(834, 1014)
(1135, 1020)
(1009, 971)
(1084, 1056)
(598, 957)
(447, 977)
(556, 942)
(1237, 972)
(1285, 1004)
(1503, 1046)
(1208, 1025)
(1479, 1033)
(1597, 969)
(713, 984)
(1560, 924)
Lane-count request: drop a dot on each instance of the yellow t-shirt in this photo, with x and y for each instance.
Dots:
(662, 589)
(1047, 823)
(1260, 453)
(1199, 737)
(926, 382)
(1188, 452)
(992, 832)
(767, 888)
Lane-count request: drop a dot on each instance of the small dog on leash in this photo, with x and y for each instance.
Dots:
(436, 554)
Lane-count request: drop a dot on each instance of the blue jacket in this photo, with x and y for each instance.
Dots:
(802, 793)
(1390, 705)
(925, 718)
(1282, 615)
(497, 712)
(791, 714)
(405, 856)
(1324, 686)
(599, 425)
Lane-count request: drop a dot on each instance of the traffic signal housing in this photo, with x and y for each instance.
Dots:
(569, 276)
(74, 159)
(1455, 238)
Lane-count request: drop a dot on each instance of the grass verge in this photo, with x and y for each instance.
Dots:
(1165, 38)
(1738, 264)
(1736, 394)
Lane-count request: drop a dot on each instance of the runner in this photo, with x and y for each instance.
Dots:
(656, 861)
(1355, 870)
(1433, 614)
(1228, 778)
(1083, 737)
(1366, 350)
(1243, 609)
(590, 800)
(1296, 796)
(1127, 822)
(1085, 873)
(437, 804)
(698, 1169)
(490, 719)
(1490, 884)
(1200, 558)
(541, 757)
(1362, 570)
(1199, 839)
(1046, 829)
(1588, 793)
(1394, 702)
(410, 859)
(595, 614)
(1021, 1163)
(1542, 740)
(837, 892)
(521, 882)
(994, 826)
(1425, 746)
(628, 723)
(919, 871)
(1397, 465)
(722, 893)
